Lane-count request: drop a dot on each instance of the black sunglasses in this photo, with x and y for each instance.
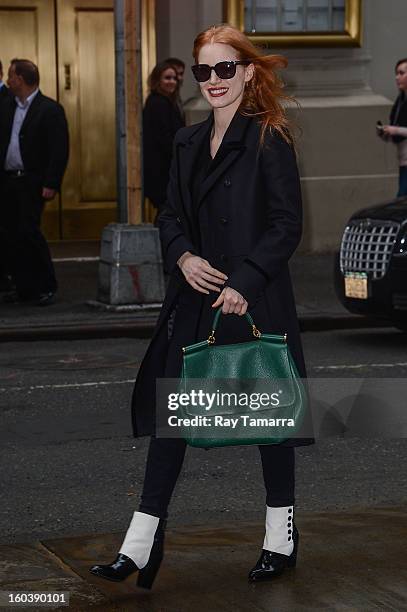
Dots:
(224, 70)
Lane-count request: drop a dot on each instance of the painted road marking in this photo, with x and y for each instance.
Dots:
(359, 366)
(104, 383)
(80, 259)
(99, 383)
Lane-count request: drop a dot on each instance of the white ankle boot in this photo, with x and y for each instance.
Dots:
(139, 538)
(279, 530)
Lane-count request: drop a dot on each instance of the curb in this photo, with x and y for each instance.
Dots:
(312, 323)
(78, 331)
(143, 327)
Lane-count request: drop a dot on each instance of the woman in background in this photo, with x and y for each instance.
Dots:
(397, 130)
(161, 120)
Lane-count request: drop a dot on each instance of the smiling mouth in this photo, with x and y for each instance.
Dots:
(217, 92)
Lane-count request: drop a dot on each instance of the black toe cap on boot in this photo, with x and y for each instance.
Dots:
(117, 571)
(270, 565)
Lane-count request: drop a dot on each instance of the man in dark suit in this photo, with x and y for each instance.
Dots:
(34, 147)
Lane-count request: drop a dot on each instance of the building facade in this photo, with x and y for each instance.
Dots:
(343, 87)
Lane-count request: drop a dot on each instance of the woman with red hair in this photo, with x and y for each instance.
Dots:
(231, 222)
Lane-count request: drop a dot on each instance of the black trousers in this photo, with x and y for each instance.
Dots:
(26, 250)
(165, 458)
(4, 272)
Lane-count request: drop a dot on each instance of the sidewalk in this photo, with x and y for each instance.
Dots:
(347, 561)
(317, 305)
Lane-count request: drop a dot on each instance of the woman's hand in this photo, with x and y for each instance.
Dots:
(199, 273)
(48, 194)
(233, 302)
(391, 130)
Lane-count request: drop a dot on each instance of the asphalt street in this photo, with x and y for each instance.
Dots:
(70, 465)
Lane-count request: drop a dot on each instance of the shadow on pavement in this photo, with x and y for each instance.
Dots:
(353, 560)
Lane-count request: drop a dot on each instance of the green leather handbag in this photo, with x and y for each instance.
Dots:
(232, 375)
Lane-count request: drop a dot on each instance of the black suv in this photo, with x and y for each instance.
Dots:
(371, 266)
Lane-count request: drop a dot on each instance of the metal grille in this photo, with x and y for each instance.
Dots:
(367, 246)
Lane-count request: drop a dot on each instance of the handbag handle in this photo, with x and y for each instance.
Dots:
(211, 338)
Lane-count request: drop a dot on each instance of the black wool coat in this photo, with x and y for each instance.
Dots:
(44, 139)
(398, 115)
(247, 223)
(161, 120)
(4, 92)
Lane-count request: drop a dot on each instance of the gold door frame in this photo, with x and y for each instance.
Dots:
(59, 82)
(148, 61)
(148, 42)
(350, 37)
(27, 29)
(86, 90)
(41, 39)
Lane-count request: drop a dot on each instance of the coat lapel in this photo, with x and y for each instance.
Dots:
(232, 146)
(231, 155)
(187, 152)
(32, 111)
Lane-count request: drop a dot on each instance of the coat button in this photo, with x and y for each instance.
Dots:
(179, 220)
(223, 257)
(227, 183)
(223, 220)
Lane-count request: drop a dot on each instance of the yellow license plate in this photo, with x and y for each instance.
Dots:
(356, 286)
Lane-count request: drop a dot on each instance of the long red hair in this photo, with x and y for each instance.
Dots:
(263, 95)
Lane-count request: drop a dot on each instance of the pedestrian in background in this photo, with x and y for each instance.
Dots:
(232, 220)
(34, 148)
(161, 120)
(397, 130)
(179, 66)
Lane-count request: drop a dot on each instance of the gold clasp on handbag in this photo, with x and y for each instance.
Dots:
(211, 339)
(256, 332)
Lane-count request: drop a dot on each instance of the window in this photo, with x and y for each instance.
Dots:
(276, 23)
